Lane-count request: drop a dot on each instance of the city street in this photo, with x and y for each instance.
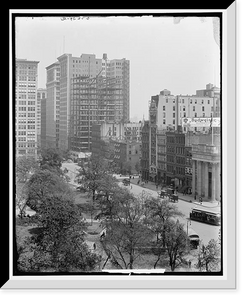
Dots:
(205, 231)
(72, 171)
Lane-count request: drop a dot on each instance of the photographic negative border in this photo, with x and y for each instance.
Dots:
(178, 281)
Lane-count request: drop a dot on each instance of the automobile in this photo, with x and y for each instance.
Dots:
(174, 198)
(126, 181)
(193, 238)
(163, 193)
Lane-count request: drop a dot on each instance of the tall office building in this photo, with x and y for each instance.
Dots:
(52, 105)
(26, 107)
(41, 96)
(88, 66)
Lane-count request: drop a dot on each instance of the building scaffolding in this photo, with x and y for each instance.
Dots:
(93, 101)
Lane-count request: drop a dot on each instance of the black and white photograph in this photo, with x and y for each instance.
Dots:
(118, 136)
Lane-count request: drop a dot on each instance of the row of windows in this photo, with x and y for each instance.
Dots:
(195, 101)
(21, 102)
(180, 170)
(173, 121)
(184, 108)
(24, 145)
(27, 78)
(28, 127)
(23, 108)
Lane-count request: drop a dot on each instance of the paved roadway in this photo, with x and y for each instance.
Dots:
(205, 231)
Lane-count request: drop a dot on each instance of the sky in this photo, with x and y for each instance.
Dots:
(179, 56)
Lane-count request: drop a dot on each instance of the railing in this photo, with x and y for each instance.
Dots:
(206, 149)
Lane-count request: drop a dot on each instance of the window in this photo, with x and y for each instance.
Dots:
(173, 115)
(195, 115)
(194, 108)
(203, 108)
(164, 108)
(195, 101)
(208, 101)
(164, 114)
(173, 108)
(202, 101)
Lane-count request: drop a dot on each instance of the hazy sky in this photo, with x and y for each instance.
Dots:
(179, 57)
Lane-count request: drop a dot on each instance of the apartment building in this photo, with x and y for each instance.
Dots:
(26, 107)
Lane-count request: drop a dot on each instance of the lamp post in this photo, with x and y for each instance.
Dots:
(187, 246)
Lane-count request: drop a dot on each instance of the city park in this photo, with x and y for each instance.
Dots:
(82, 218)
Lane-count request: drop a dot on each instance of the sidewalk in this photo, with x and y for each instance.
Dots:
(188, 198)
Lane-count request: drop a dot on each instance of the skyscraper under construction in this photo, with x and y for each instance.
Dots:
(93, 101)
(91, 90)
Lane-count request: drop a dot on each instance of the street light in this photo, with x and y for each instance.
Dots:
(188, 221)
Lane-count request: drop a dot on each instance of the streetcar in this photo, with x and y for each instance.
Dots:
(210, 215)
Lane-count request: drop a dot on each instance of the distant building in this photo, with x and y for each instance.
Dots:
(119, 143)
(169, 152)
(89, 79)
(206, 166)
(145, 141)
(175, 158)
(43, 124)
(41, 96)
(26, 107)
(161, 155)
(52, 105)
(126, 155)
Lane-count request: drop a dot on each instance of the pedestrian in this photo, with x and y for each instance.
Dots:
(94, 246)
(200, 199)
(189, 263)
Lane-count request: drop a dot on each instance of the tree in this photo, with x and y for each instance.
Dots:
(126, 167)
(59, 245)
(209, 257)
(138, 167)
(25, 166)
(51, 159)
(158, 213)
(42, 184)
(90, 177)
(125, 232)
(175, 239)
